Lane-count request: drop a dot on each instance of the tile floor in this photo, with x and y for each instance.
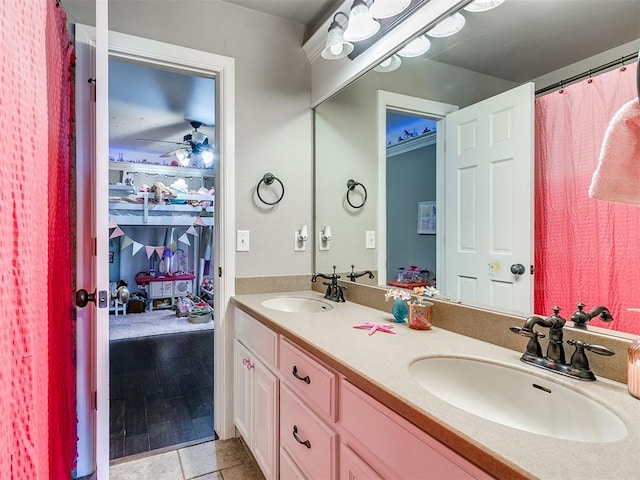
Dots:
(215, 460)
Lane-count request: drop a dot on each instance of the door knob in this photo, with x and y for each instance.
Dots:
(83, 297)
(517, 269)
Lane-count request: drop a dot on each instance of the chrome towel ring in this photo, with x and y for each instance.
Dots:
(268, 179)
(351, 186)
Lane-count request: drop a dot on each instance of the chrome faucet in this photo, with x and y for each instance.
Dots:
(580, 318)
(578, 367)
(353, 275)
(335, 291)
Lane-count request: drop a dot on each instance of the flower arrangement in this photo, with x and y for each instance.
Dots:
(426, 291)
(397, 294)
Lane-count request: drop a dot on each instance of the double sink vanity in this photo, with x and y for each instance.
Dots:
(331, 401)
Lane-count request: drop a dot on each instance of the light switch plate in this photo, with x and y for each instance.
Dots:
(242, 241)
(370, 239)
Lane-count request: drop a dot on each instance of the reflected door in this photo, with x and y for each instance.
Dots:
(489, 201)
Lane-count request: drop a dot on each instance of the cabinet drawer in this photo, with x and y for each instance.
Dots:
(408, 452)
(288, 468)
(310, 380)
(314, 450)
(258, 338)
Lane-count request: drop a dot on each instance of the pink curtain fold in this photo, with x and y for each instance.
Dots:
(37, 396)
(586, 250)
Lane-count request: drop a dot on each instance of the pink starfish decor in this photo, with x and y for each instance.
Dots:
(374, 327)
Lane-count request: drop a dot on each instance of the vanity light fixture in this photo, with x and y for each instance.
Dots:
(483, 5)
(388, 8)
(336, 46)
(361, 24)
(416, 47)
(447, 27)
(389, 64)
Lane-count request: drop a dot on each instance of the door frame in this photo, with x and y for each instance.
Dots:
(423, 108)
(178, 58)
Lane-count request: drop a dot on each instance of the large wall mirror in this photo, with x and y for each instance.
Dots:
(520, 41)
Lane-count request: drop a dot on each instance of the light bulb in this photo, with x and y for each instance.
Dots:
(449, 26)
(183, 157)
(361, 24)
(336, 49)
(416, 47)
(207, 157)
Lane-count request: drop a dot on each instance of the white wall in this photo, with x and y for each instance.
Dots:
(274, 123)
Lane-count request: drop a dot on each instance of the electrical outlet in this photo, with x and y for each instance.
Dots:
(370, 239)
(298, 245)
(242, 241)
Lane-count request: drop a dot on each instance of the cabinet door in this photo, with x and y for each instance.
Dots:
(288, 468)
(242, 391)
(352, 467)
(264, 425)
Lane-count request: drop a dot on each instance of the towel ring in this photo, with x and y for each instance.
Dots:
(268, 179)
(351, 185)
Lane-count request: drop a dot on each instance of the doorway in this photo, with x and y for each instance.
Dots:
(162, 150)
(94, 47)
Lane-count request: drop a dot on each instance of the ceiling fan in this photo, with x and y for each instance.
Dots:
(194, 143)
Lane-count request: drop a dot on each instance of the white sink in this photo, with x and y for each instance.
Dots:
(296, 304)
(518, 399)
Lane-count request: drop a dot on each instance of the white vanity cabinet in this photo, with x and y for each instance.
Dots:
(256, 391)
(302, 420)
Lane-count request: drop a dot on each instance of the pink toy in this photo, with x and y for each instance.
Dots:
(373, 327)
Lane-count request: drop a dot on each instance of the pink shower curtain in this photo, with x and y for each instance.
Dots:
(37, 396)
(585, 250)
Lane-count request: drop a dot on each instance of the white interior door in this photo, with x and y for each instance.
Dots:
(489, 201)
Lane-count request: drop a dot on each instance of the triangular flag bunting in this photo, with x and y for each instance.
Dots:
(126, 241)
(192, 231)
(184, 239)
(112, 224)
(160, 250)
(117, 233)
(150, 251)
(199, 221)
(136, 247)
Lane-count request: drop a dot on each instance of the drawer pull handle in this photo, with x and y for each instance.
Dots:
(247, 363)
(306, 379)
(306, 443)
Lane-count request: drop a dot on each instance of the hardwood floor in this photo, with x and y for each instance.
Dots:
(161, 392)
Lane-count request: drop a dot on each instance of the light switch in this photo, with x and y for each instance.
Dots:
(242, 241)
(370, 239)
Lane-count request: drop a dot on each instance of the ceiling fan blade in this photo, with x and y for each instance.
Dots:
(158, 141)
(170, 153)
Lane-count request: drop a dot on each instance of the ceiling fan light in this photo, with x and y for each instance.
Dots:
(483, 5)
(183, 156)
(336, 46)
(361, 24)
(447, 27)
(416, 47)
(207, 157)
(388, 8)
(389, 64)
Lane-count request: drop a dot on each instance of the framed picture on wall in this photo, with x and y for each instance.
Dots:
(426, 218)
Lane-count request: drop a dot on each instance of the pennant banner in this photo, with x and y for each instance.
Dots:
(149, 249)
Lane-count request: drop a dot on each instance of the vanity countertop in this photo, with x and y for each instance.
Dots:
(379, 365)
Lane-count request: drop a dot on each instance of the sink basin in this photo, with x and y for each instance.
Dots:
(296, 304)
(517, 399)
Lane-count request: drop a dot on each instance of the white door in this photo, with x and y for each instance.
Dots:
(92, 243)
(489, 201)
